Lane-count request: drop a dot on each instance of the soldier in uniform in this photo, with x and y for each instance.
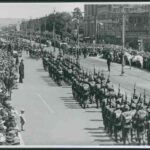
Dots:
(21, 71)
(117, 122)
(126, 124)
(92, 89)
(141, 118)
(17, 62)
(148, 126)
(109, 59)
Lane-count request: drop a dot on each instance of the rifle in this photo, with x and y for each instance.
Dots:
(134, 90)
(144, 96)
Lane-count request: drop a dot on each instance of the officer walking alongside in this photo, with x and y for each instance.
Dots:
(21, 71)
(109, 59)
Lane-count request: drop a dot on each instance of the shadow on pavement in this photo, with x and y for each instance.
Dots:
(93, 111)
(69, 97)
(72, 106)
(66, 86)
(70, 103)
(99, 132)
(99, 135)
(94, 129)
(49, 81)
(40, 70)
(96, 120)
(103, 140)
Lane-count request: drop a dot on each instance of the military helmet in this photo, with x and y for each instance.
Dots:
(148, 110)
(133, 105)
(108, 80)
(139, 106)
(126, 108)
(118, 106)
(135, 96)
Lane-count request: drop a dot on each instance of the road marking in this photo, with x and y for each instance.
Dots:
(43, 100)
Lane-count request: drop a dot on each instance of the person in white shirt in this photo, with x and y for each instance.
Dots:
(22, 120)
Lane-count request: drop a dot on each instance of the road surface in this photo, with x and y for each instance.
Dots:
(131, 77)
(53, 116)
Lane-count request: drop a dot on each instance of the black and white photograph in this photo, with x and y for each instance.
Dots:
(75, 74)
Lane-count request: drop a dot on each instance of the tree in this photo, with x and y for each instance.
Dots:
(77, 21)
(77, 13)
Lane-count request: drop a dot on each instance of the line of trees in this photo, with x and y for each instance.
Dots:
(65, 24)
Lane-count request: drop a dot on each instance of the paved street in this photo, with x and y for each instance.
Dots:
(135, 75)
(53, 117)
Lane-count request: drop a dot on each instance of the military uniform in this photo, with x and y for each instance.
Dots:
(21, 72)
(108, 61)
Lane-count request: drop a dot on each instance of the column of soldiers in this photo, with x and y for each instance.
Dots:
(127, 120)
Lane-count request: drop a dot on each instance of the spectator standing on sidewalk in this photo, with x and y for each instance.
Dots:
(22, 120)
(109, 59)
(21, 71)
(17, 62)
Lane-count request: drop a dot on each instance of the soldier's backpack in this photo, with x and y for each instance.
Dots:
(127, 118)
(85, 87)
(118, 117)
(141, 116)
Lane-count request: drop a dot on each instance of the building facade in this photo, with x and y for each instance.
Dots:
(103, 23)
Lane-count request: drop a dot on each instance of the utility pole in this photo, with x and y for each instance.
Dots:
(54, 29)
(78, 39)
(40, 31)
(26, 27)
(95, 22)
(123, 40)
(45, 25)
(30, 28)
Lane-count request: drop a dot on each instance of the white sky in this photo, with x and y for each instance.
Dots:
(34, 10)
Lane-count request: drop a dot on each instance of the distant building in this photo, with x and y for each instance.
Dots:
(18, 26)
(104, 23)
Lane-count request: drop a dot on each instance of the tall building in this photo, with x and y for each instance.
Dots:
(104, 23)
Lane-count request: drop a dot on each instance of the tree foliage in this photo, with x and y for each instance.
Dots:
(62, 21)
